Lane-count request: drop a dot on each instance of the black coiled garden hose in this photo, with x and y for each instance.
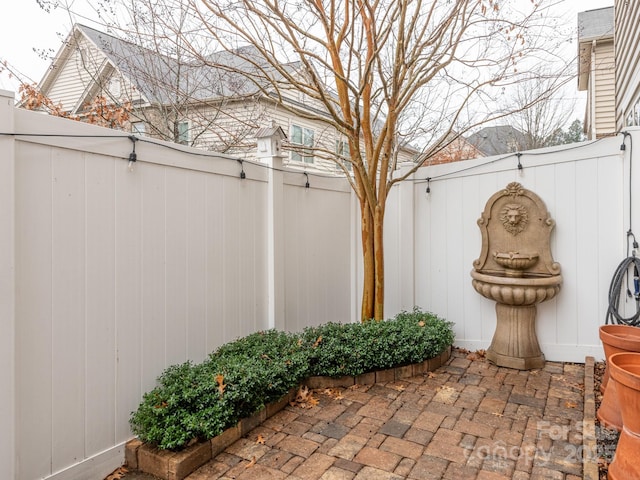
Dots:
(615, 289)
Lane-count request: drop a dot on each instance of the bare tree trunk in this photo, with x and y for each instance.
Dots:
(378, 253)
(373, 257)
(367, 237)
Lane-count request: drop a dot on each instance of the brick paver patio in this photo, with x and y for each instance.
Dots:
(468, 420)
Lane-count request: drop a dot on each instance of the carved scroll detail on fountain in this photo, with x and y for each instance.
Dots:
(518, 274)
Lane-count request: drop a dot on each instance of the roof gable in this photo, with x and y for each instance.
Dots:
(498, 140)
(158, 76)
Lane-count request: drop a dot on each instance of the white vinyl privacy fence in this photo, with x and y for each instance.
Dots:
(111, 275)
(108, 275)
(433, 239)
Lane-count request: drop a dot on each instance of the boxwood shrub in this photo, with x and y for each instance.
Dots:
(356, 348)
(201, 401)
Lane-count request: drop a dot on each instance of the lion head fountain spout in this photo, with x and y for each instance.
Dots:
(518, 274)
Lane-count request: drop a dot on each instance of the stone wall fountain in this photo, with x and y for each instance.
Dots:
(516, 270)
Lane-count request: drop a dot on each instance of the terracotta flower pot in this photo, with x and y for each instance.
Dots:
(609, 411)
(617, 339)
(625, 371)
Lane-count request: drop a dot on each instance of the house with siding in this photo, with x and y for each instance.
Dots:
(209, 106)
(596, 70)
(627, 59)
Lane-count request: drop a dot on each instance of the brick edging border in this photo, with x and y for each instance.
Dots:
(169, 465)
(589, 443)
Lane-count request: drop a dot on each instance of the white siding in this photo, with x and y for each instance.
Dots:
(603, 78)
(81, 64)
(627, 34)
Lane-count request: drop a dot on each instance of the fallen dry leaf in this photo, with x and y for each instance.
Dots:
(445, 388)
(251, 463)
(303, 393)
(260, 440)
(220, 382)
(399, 387)
(334, 393)
(570, 404)
(477, 355)
(421, 323)
(359, 386)
(497, 414)
(304, 398)
(118, 474)
(431, 375)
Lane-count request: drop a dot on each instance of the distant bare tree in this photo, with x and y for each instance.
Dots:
(541, 111)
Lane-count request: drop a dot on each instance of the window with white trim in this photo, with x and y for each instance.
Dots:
(343, 152)
(139, 128)
(632, 118)
(302, 140)
(183, 133)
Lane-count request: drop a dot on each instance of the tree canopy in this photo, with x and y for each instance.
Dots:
(383, 73)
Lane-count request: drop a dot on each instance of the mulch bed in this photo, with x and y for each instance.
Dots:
(606, 439)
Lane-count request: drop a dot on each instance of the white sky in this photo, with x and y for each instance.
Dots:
(24, 26)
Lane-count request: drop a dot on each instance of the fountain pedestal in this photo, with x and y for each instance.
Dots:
(515, 343)
(518, 275)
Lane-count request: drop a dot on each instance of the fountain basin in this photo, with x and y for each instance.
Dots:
(525, 290)
(515, 263)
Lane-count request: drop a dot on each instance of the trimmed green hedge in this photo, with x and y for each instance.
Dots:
(356, 348)
(201, 401)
